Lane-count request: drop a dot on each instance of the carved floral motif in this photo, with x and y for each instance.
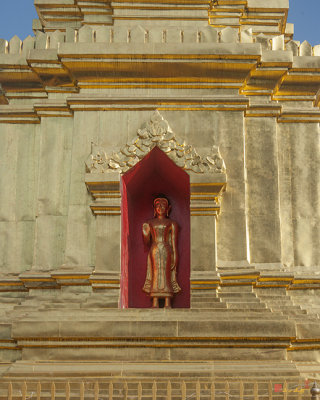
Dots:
(155, 132)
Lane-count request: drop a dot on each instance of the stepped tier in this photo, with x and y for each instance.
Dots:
(224, 330)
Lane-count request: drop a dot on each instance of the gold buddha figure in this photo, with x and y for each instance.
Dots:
(161, 234)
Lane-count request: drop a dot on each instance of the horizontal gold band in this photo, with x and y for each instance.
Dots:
(209, 346)
(253, 276)
(71, 276)
(158, 338)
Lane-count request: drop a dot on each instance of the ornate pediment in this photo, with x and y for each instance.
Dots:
(155, 132)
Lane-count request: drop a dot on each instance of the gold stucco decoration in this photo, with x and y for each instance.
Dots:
(155, 132)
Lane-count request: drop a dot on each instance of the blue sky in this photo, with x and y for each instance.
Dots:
(16, 18)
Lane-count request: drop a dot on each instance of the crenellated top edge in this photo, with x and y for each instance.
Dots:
(139, 34)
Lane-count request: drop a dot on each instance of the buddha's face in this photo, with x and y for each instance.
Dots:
(161, 207)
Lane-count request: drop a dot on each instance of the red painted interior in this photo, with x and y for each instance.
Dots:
(155, 174)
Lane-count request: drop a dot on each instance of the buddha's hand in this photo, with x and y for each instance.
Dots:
(146, 229)
(146, 233)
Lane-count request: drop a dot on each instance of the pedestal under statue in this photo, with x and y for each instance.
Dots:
(161, 234)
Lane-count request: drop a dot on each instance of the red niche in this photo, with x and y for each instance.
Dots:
(155, 174)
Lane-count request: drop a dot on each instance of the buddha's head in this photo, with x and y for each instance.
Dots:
(161, 207)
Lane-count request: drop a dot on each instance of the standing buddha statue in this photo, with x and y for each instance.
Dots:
(161, 235)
